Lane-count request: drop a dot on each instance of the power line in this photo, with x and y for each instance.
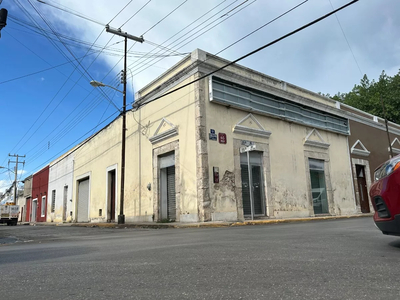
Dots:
(136, 13)
(137, 65)
(24, 10)
(347, 41)
(143, 68)
(165, 17)
(248, 54)
(244, 37)
(73, 13)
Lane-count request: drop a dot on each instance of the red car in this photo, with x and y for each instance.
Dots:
(385, 196)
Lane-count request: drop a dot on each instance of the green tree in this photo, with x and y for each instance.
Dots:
(367, 96)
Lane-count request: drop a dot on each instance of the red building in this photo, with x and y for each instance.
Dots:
(40, 183)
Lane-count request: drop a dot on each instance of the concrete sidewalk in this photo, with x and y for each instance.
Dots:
(199, 225)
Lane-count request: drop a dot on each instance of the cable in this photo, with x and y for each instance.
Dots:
(249, 54)
(138, 61)
(136, 13)
(144, 67)
(347, 41)
(164, 17)
(144, 64)
(73, 13)
(273, 20)
(59, 90)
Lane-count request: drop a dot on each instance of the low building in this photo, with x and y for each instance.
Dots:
(28, 198)
(186, 158)
(368, 147)
(59, 200)
(40, 183)
(233, 145)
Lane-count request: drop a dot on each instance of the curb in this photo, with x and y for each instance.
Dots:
(200, 225)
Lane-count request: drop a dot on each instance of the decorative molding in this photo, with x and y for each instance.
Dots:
(260, 131)
(395, 150)
(320, 144)
(361, 152)
(158, 137)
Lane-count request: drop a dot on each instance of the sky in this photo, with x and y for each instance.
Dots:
(49, 52)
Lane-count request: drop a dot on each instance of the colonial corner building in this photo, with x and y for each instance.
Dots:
(231, 146)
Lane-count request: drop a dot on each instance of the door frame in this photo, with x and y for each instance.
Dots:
(110, 169)
(265, 174)
(367, 171)
(87, 175)
(171, 147)
(34, 211)
(263, 206)
(328, 184)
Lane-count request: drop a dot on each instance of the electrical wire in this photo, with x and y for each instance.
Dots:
(73, 13)
(347, 41)
(137, 106)
(183, 29)
(140, 9)
(244, 37)
(145, 67)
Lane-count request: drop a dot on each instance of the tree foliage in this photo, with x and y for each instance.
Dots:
(367, 96)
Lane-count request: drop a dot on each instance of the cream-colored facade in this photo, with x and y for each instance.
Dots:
(176, 170)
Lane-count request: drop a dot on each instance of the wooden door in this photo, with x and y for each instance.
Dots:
(362, 189)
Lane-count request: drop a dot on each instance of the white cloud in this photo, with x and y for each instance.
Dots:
(317, 58)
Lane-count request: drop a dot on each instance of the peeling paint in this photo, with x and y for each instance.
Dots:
(224, 193)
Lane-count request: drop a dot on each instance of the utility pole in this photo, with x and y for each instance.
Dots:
(16, 173)
(387, 127)
(121, 216)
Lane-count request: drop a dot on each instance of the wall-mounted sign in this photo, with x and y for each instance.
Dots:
(222, 138)
(212, 135)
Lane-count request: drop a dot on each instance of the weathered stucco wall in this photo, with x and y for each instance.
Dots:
(61, 173)
(94, 157)
(288, 194)
(173, 113)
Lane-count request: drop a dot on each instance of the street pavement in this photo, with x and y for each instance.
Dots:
(335, 259)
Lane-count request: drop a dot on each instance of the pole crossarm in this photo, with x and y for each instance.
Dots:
(124, 34)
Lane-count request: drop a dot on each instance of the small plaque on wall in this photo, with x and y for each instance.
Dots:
(222, 138)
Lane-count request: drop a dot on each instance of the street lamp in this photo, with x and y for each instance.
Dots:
(121, 216)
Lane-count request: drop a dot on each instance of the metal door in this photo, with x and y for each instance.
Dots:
(83, 201)
(171, 199)
(362, 189)
(65, 199)
(255, 187)
(167, 187)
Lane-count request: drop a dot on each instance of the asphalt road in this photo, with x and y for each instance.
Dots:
(342, 259)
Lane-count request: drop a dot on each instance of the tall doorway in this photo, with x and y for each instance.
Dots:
(318, 186)
(167, 187)
(65, 202)
(83, 201)
(34, 210)
(111, 195)
(252, 184)
(362, 189)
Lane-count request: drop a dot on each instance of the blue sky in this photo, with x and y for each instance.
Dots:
(44, 113)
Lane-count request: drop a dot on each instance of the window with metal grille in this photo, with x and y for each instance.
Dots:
(255, 101)
(53, 201)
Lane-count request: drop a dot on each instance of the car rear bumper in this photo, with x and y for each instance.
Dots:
(390, 227)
